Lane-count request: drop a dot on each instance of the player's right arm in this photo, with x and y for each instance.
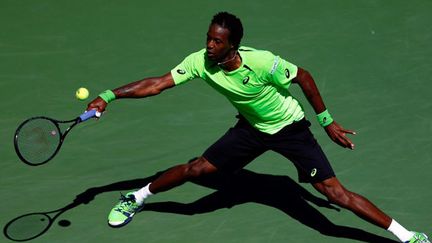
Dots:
(188, 69)
(138, 89)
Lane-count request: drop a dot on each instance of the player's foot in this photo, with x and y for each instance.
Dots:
(124, 210)
(419, 238)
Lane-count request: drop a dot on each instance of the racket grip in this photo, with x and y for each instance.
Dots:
(89, 114)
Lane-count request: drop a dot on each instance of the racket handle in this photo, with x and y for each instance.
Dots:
(89, 114)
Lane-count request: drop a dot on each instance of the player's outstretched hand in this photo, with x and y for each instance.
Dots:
(338, 135)
(99, 104)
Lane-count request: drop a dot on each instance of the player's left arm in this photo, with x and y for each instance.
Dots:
(335, 131)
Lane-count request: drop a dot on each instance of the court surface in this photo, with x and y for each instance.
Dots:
(370, 59)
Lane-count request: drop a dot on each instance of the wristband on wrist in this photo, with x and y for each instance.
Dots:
(107, 96)
(324, 118)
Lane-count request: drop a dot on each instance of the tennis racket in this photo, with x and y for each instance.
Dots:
(38, 139)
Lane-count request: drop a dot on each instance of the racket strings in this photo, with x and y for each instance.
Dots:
(38, 140)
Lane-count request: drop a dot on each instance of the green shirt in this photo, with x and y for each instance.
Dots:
(258, 89)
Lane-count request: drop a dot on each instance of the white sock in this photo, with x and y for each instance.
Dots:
(400, 232)
(142, 194)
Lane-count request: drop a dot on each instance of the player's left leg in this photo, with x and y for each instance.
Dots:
(339, 195)
(362, 207)
(298, 144)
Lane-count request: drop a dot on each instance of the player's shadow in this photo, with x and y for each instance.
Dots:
(280, 192)
(245, 186)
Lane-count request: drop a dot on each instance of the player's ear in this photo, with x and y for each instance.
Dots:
(231, 44)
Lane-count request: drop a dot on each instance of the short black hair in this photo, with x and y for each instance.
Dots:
(233, 24)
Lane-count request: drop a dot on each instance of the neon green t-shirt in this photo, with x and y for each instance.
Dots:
(258, 89)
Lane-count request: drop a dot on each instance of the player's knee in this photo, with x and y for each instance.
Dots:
(199, 167)
(334, 191)
(338, 195)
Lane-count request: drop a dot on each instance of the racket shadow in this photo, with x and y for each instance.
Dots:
(30, 226)
(280, 192)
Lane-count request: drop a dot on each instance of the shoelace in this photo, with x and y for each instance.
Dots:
(125, 204)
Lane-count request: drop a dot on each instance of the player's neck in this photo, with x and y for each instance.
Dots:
(231, 63)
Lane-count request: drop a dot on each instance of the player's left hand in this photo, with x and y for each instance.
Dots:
(338, 134)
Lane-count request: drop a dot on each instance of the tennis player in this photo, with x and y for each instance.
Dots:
(256, 83)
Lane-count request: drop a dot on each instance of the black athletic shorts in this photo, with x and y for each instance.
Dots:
(243, 143)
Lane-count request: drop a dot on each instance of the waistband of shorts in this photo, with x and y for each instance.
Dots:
(301, 124)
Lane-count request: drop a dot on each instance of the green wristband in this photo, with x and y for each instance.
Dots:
(107, 96)
(324, 118)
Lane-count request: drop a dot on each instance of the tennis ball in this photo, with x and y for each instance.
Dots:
(82, 93)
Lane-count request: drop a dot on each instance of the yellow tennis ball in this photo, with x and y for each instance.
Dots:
(82, 93)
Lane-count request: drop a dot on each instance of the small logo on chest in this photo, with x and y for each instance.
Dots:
(246, 80)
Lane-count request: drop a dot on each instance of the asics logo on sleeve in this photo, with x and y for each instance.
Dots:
(287, 73)
(181, 71)
(246, 80)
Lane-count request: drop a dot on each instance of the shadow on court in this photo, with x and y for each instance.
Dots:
(245, 186)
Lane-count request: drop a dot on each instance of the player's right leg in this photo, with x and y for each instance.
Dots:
(133, 202)
(181, 173)
(235, 149)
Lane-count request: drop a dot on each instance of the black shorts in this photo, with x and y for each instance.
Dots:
(243, 143)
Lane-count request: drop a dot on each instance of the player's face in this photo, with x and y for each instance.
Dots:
(218, 44)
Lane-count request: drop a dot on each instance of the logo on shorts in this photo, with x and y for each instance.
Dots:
(181, 71)
(313, 172)
(287, 73)
(246, 80)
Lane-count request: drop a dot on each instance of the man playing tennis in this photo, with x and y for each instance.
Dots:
(256, 83)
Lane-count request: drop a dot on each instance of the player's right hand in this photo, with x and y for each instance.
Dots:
(98, 104)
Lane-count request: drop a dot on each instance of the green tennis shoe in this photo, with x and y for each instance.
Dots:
(124, 210)
(419, 238)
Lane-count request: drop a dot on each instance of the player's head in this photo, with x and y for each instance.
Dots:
(233, 24)
(224, 35)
